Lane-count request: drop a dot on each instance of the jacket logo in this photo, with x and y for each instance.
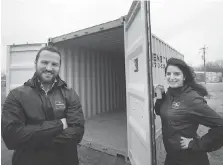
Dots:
(59, 105)
(175, 105)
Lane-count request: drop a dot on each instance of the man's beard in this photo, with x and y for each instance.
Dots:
(43, 79)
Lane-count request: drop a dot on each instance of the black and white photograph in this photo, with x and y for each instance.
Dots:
(111, 82)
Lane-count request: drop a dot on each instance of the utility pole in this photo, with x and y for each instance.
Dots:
(204, 59)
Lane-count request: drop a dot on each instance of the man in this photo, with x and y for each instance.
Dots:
(43, 119)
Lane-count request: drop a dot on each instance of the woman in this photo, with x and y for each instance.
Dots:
(182, 108)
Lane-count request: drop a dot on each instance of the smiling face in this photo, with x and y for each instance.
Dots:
(174, 77)
(48, 66)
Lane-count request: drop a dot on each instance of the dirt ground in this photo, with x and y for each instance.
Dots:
(88, 156)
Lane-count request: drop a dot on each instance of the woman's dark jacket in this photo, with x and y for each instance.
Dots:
(181, 111)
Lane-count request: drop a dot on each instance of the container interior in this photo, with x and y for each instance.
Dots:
(94, 65)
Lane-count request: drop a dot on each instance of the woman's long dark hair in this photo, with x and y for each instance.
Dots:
(188, 74)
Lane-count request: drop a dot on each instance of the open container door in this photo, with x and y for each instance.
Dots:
(140, 124)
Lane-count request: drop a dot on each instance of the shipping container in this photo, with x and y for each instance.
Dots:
(20, 63)
(108, 66)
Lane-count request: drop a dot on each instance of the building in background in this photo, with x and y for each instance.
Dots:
(211, 77)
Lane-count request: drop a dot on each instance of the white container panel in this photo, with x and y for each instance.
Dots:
(69, 69)
(89, 81)
(93, 95)
(63, 63)
(98, 85)
(76, 71)
(23, 57)
(161, 68)
(161, 53)
(27, 47)
(19, 77)
(20, 64)
(154, 52)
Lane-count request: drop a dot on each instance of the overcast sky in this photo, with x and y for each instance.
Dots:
(186, 25)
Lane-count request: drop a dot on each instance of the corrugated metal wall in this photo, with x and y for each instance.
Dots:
(161, 53)
(98, 78)
(20, 64)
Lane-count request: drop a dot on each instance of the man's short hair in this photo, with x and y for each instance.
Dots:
(49, 48)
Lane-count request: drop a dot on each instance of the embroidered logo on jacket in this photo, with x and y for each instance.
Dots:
(175, 105)
(59, 105)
